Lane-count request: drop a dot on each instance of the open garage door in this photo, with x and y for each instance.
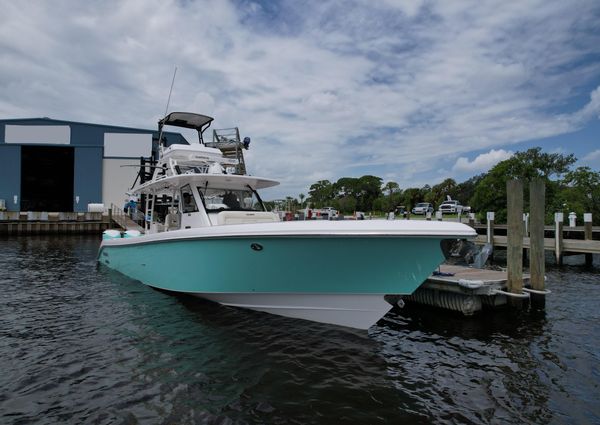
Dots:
(47, 178)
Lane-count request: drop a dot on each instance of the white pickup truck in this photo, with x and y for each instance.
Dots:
(453, 207)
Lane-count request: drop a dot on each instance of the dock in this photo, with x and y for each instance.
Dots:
(575, 246)
(63, 223)
(560, 239)
(38, 223)
(466, 289)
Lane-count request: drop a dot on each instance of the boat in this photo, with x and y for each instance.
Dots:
(208, 234)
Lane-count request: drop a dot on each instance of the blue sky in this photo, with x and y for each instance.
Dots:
(411, 91)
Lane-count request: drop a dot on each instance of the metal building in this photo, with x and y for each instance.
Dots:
(54, 165)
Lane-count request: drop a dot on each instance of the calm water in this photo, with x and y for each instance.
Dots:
(81, 344)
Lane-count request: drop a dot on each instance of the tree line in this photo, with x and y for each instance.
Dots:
(568, 188)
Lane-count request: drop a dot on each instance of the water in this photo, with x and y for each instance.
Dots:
(82, 344)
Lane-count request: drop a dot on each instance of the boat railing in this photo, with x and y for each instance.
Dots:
(226, 135)
(128, 221)
(229, 142)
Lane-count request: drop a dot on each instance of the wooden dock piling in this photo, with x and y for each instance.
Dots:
(514, 252)
(587, 226)
(537, 263)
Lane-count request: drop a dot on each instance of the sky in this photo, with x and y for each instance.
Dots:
(410, 91)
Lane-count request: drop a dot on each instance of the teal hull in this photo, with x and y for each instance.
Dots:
(285, 264)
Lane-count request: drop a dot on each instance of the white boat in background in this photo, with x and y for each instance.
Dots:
(208, 234)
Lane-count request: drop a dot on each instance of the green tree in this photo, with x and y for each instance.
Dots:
(391, 187)
(439, 192)
(490, 193)
(464, 191)
(369, 190)
(347, 187)
(388, 204)
(321, 193)
(411, 197)
(580, 192)
(346, 204)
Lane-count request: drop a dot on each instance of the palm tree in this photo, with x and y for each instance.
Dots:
(301, 196)
(391, 187)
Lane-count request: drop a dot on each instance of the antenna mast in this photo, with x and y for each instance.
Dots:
(170, 91)
(160, 141)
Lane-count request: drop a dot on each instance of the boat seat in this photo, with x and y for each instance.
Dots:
(172, 221)
(241, 217)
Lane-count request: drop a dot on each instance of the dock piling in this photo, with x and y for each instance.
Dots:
(490, 227)
(587, 227)
(558, 237)
(490, 233)
(537, 264)
(514, 251)
(472, 220)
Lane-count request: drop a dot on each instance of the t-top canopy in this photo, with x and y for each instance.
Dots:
(187, 120)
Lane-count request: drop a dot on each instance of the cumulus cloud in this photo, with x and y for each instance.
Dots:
(592, 159)
(325, 88)
(482, 162)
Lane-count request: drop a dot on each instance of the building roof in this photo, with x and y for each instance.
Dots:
(46, 120)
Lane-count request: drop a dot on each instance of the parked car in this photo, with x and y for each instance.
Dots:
(422, 208)
(453, 207)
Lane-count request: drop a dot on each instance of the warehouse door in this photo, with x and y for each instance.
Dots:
(46, 178)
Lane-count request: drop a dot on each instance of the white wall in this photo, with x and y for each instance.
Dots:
(128, 145)
(44, 134)
(117, 180)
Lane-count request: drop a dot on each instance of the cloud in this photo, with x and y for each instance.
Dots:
(324, 88)
(590, 111)
(482, 162)
(592, 159)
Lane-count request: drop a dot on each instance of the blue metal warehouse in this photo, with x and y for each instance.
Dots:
(54, 165)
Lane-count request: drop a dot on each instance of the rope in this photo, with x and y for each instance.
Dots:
(536, 291)
(509, 294)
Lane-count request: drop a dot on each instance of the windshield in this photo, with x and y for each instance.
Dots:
(231, 200)
(422, 205)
